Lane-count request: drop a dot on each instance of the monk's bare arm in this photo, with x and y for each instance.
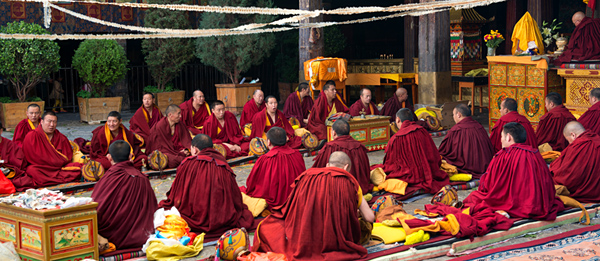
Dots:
(366, 211)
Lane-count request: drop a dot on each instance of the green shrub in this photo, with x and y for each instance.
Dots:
(101, 63)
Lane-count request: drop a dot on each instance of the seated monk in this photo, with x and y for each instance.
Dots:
(552, 124)
(319, 220)
(112, 131)
(252, 107)
(121, 190)
(145, 117)
(299, 104)
(411, 156)
(398, 101)
(272, 117)
(508, 110)
(194, 112)
(274, 173)
(577, 166)
(364, 105)
(342, 141)
(12, 162)
(583, 44)
(206, 193)
(49, 155)
(171, 137)
(517, 180)
(467, 145)
(222, 127)
(591, 118)
(28, 124)
(328, 103)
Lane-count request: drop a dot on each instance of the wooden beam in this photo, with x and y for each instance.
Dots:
(411, 41)
(310, 40)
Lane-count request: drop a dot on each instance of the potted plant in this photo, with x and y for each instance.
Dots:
(492, 41)
(24, 63)
(101, 63)
(233, 55)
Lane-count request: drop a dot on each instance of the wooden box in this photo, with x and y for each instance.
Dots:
(51, 235)
(95, 110)
(373, 131)
(13, 113)
(164, 99)
(236, 95)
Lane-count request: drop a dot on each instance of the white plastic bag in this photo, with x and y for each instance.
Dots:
(8, 252)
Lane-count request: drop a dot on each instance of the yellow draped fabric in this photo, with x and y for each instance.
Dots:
(31, 124)
(527, 30)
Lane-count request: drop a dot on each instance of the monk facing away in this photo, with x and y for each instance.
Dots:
(274, 173)
(327, 104)
(577, 166)
(206, 193)
(467, 145)
(517, 180)
(126, 201)
(171, 137)
(145, 117)
(113, 130)
(591, 118)
(583, 44)
(194, 112)
(28, 124)
(508, 110)
(342, 141)
(411, 156)
(271, 117)
(364, 105)
(299, 104)
(319, 220)
(13, 160)
(398, 101)
(223, 128)
(252, 107)
(550, 128)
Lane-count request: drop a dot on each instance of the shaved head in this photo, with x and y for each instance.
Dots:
(340, 160)
(573, 127)
(400, 91)
(401, 94)
(197, 93)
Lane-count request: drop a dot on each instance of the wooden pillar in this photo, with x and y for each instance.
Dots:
(514, 12)
(411, 41)
(310, 40)
(434, 58)
(541, 10)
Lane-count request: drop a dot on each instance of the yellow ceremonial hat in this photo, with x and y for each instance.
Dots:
(527, 30)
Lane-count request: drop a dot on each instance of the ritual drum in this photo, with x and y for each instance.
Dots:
(433, 123)
(258, 146)
(310, 141)
(221, 149)
(92, 171)
(158, 160)
(247, 129)
(294, 122)
(233, 244)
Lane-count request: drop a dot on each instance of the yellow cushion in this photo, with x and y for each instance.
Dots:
(387, 234)
(394, 186)
(255, 205)
(417, 237)
(461, 177)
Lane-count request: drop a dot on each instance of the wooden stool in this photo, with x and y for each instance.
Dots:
(472, 83)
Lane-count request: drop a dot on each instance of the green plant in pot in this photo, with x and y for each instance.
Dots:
(101, 63)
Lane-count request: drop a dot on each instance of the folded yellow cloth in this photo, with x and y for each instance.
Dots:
(387, 234)
(550, 155)
(527, 30)
(461, 177)
(377, 176)
(157, 250)
(255, 205)
(417, 237)
(394, 186)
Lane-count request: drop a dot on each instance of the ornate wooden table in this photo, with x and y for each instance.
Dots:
(373, 131)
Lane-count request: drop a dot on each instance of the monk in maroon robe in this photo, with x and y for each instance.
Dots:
(583, 44)
(112, 131)
(342, 141)
(577, 166)
(319, 220)
(274, 173)
(145, 117)
(206, 193)
(364, 105)
(508, 110)
(272, 117)
(126, 201)
(327, 104)
(13, 160)
(591, 118)
(398, 101)
(252, 107)
(171, 137)
(550, 129)
(194, 112)
(411, 156)
(26, 125)
(467, 145)
(299, 104)
(222, 127)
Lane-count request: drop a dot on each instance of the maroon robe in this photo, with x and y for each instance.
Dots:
(262, 123)
(360, 168)
(230, 133)
(250, 109)
(319, 221)
(392, 106)
(577, 168)
(299, 110)
(274, 173)
(468, 147)
(512, 116)
(207, 195)
(100, 144)
(126, 205)
(550, 128)
(320, 113)
(584, 43)
(358, 106)
(141, 123)
(517, 181)
(21, 131)
(14, 159)
(192, 118)
(171, 145)
(591, 118)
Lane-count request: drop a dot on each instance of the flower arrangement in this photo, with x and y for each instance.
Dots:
(493, 39)
(550, 32)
